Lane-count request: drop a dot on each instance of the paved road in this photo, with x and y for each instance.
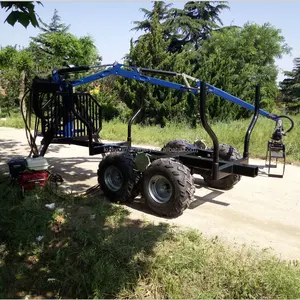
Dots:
(261, 211)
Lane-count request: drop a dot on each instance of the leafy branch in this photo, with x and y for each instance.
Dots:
(21, 12)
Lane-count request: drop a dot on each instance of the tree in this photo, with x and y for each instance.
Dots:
(55, 43)
(189, 25)
(167, 32)
(55, 24)
(161, 9)
(195, 22)
(236, 60)
(22, 12)
(150, 51)
(45, 52)
(16, 67)
(290, 88)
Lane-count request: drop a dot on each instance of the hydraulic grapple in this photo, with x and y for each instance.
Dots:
(276, 147)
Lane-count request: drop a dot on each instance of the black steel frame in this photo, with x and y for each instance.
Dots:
(199, 161)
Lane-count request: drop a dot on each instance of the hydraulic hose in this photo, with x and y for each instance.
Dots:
(30, 139)
(291, 121)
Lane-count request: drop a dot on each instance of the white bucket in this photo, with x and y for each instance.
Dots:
(37, 163)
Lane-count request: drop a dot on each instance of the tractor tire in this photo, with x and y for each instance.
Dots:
(227, 153)
(118, 177)
(167, 187)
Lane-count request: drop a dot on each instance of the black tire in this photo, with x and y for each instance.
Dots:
(181, 185)
(227, 153)
(177, 145)
(122, 190)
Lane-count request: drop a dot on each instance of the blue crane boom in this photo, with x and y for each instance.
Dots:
(135, 73)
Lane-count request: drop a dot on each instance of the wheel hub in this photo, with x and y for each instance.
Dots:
(160, 189)
(113, 178)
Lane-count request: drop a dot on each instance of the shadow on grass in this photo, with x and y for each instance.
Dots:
(87, 248)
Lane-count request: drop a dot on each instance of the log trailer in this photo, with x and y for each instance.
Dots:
(163, 178)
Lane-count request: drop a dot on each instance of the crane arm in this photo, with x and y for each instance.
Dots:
(137, 74)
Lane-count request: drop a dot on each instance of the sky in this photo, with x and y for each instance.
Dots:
(110, 23)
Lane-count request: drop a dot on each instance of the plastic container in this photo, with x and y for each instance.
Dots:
(37, 164)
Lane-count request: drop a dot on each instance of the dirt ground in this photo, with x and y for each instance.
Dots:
(261, 211)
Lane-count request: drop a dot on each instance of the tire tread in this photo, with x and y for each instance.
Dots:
(185, 183)
(123, 161)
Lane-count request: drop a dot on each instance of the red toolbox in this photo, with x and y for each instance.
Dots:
(30, 179)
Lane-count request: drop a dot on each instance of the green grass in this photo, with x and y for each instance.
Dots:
(92, 249)
(15, 121)
(228, 133)
(231, 133)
